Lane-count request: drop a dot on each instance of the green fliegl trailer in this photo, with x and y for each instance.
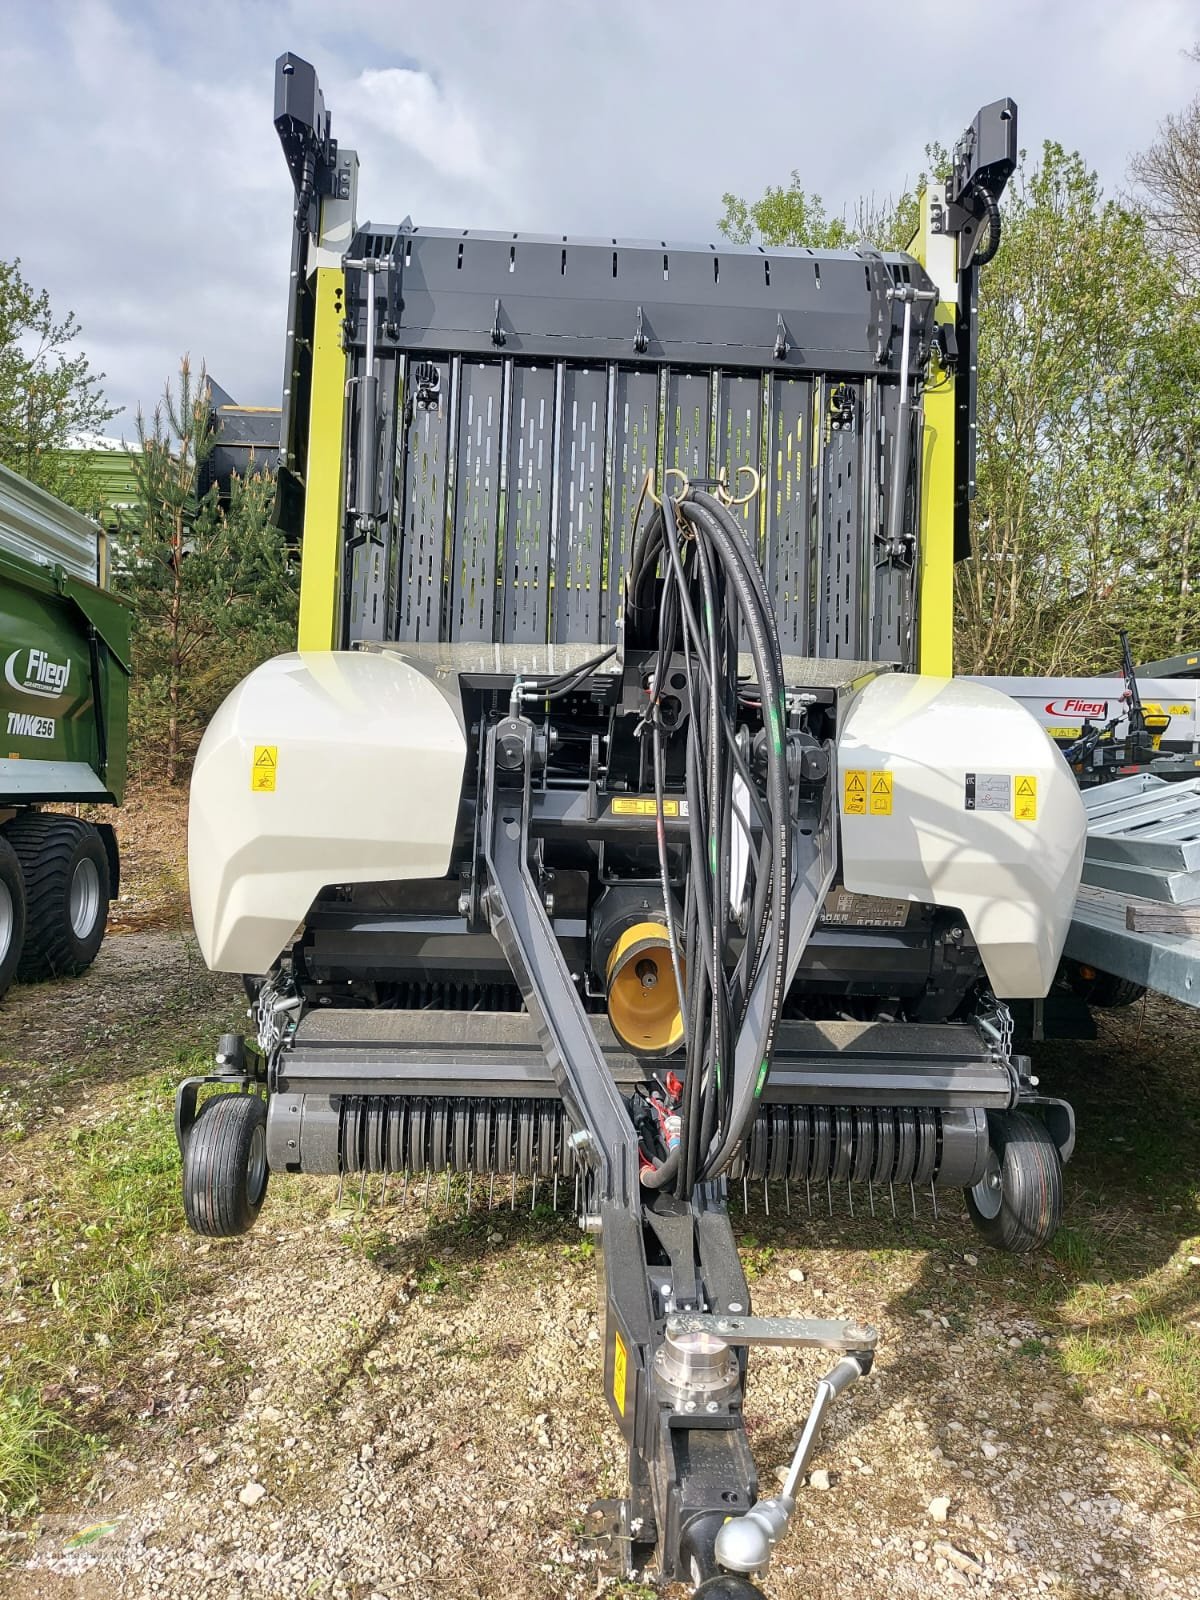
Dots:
(64, 705)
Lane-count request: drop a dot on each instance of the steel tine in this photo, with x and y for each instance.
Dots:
(341, 1186)
(933, 1197)
(913, 1197)
(383, 1193)
(745, 1195)
(533, 1196)
(808, 1194)
(787, 1196)
(576, 1191)
(871, 1195)
(428, 1181)
(766, 1198)
(829, 1195)
(556, 1188)
(850, 1196)
(491, 1188)
(892, 1198)
(470, 1185)
(513, 1200)
(447, 1185)
(404, 1189)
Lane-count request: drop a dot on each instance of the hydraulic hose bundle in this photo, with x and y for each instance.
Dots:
(692, 569)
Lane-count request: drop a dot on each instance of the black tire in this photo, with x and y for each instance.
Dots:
(12, 914)
(1018, 1204)
(67, 890)
(225, 1165)
(1104, 990)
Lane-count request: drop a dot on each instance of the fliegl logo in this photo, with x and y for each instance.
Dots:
(1077, 708)
(39, 675)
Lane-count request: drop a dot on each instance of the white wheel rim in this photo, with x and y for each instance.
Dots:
(988, 1193)
(85, 898)
(8, 921)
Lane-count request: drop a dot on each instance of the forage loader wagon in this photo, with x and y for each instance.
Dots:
(64, 696)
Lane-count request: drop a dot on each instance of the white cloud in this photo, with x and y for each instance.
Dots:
(146, 189)
(408, 106)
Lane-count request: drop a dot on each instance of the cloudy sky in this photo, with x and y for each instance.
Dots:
(143, 185)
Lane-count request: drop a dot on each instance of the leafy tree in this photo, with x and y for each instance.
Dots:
(796, 217)
(1088, 506)
(212, 586)
(1087, 493)
(1169, 173)
(47, 391)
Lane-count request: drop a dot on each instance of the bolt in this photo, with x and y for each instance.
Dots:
(712, 1406)
(689, 1405)
(735, 1305)
(580, 1140)
(464, 904)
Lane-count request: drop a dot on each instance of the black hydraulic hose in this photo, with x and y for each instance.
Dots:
(982, 257)
(564, 682)
(712, 591)
(764, 643)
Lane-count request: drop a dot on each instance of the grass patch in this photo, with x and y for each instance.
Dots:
(35, 1443)
(89, 1263)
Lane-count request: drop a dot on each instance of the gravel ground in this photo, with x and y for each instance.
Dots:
(398, 1402)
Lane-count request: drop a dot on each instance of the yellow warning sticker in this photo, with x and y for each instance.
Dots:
(620, 1371)
(1179, 711)
(866, 793)
(264, 768)
(643, 806)
(1025, 798)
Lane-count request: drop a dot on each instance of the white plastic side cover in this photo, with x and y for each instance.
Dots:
(1014, 879)
(320, 768)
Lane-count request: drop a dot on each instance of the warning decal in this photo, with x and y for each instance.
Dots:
(264, 768)
(1025, 805)
(643, 806)
(866, 793)
(988, 791)
(854, 793)
(620, 1371)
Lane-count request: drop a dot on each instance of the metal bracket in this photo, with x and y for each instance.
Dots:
(640, 342)
(804, 1333)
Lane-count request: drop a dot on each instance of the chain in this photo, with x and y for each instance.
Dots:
(275, 1012)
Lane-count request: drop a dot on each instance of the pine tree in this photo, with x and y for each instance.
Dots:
(213, 587)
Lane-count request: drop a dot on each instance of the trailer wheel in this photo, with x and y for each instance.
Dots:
(225, 1165)
(12, 914)
(66, 893)
(1018, 1203)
